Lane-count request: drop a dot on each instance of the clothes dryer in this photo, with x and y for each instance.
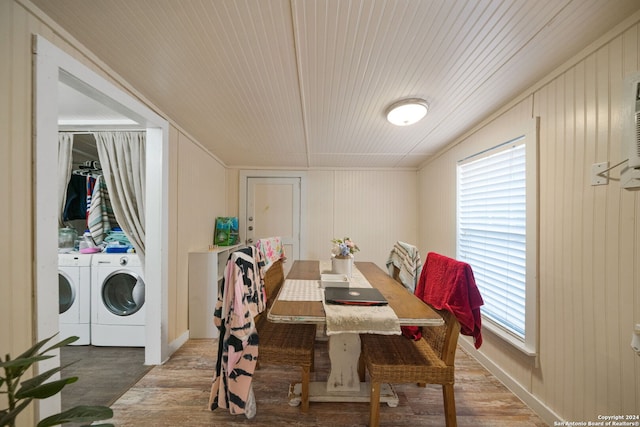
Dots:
(118, 297)
(74, 297)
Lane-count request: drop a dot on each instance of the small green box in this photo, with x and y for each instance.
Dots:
(226, 231)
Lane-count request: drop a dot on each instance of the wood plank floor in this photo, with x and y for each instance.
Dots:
(176, 394)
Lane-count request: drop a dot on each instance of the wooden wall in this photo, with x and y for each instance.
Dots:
(190, 229)
(16, 286)
(589, 244)
(589, 236)
(201, 196)
(375, 208)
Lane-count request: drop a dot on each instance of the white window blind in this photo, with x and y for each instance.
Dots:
(492, 225)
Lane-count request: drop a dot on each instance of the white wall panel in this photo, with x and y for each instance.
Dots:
(201, 187)
(318, 227)
(17, 26)
(373, 207)
(589, 240)
(16, 288)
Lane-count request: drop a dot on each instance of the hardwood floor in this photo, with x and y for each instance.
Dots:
(176, 394)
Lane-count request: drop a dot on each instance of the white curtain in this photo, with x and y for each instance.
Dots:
(65, 165)
(122, 157)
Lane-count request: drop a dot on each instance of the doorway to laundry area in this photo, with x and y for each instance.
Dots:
(52, 66)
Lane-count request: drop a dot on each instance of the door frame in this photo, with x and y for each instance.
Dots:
(51, 64)
(244, 179)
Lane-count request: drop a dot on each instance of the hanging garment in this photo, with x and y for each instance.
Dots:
(241, 297)
(75, 206)
(101, 219)
(91, 183)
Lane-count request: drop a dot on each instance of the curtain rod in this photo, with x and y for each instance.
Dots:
(87, 132)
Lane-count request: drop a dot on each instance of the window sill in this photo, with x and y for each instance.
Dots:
(508, 337)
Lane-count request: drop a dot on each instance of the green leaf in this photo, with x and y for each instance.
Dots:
(16, 368)
(39, 379)
(78, 414)
(45, 390)
(23, 362)
(62, 343)
(36, 347)
(7, 417)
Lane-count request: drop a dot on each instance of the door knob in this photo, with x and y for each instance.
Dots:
(251, 228)
(250, 218)
(249, 240)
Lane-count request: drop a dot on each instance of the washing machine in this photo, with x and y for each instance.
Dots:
(117, 300)
(74, 300)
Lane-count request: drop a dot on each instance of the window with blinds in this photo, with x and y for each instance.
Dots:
(492, 232)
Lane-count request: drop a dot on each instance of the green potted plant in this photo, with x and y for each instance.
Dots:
(21, 393)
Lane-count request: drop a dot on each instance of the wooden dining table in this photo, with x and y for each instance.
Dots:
(343, 383)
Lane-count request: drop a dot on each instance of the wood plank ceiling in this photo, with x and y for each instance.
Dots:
(304, 83)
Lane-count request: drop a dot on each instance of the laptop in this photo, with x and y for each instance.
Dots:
(354, 296)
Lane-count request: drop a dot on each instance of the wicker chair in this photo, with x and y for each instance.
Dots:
(285, 344)
(396, 359)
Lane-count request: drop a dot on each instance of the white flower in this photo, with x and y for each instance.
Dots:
(344, 247)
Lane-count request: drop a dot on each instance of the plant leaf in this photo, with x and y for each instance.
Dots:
(7, 417)
(78, 414)
(45, 390)
(62, 343)
(17, 367)
(23, 362)
(35, 348)
(39, 379)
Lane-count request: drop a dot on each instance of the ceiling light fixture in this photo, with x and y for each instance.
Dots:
(407, 111)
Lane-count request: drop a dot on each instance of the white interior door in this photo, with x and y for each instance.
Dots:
(273, 209)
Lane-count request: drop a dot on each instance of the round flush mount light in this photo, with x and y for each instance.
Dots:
(407, 111)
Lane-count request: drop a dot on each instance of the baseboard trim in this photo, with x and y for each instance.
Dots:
(178, 342)
(536, 405)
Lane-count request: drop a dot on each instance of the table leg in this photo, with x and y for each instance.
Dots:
(344, 352)
(343, 384)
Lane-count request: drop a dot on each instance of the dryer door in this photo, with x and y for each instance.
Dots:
(67, 294)
(123, 293)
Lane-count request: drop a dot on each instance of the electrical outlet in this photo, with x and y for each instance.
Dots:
(596, 169)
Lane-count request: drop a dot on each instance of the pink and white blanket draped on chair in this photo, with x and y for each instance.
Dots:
(240, 298)
(271, 249)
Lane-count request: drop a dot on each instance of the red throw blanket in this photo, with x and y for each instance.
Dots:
(448, 284)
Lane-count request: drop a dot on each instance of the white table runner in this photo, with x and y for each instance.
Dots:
(349, 319)
(301, 290)
(343, 319)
